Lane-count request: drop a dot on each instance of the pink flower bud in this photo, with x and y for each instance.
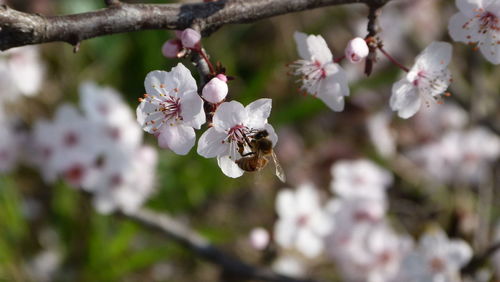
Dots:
(216, 89)
(356, 50)
(171, 48)
(190, 38)
(259, 238)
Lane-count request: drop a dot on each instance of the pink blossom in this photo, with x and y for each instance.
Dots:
(171, 48)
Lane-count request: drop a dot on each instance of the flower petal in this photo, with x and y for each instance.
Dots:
(301, 42)
(258, 111)
(435, 57)
(178, 138)
(192, 109)
(229, 167)
(184, 79)
(229, 114)
(319, 49)
(405, 99)
(333, 88)
(156, 81)
(211, 144)
(467, 7)
(490, 48)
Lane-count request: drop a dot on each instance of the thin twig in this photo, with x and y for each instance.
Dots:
(202, 247)
(19, 29)
(479, 260)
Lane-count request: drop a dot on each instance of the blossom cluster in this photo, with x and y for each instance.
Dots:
(99, 150)
(172, 110)
(353, 230)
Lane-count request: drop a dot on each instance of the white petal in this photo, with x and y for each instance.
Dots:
(468, 6)
(258, 111)
(404, 99)
(284, 233)
(490, 47)
(210, 144)
(272, 134)
(459, 253)
(178, 138)
(436, 56)
(229, 167)
(228, 115)
(301, 42)
(319, 49)
(308, 244)
(459, 33)
(192, 109)
(285, 204)
(155, 80)
(184, 79)
(333, 88)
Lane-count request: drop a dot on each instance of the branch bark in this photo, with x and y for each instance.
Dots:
(19, 29)
(200, 246)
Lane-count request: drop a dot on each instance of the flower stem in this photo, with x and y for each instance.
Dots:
(394, 61)
(204, 56)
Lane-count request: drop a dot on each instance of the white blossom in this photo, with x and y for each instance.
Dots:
(232, 123)
(66, 146)
(21, 72)
(478, 23)
(114, 121)
(319, 74)
(436, 259)
(427, 79)
(172, 109)
(303, 222)
(359, 179)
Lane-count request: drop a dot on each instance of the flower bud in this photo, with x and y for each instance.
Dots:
(171, 48)
(259, 238)
(190, 38)
(356, 50)
(216, 89)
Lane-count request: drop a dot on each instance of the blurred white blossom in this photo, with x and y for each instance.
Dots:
(303, 222)
(21, 72)
(436, 259)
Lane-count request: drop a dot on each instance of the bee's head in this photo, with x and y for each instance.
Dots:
(261, 134)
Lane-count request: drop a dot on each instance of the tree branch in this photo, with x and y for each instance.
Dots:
(19, 29)
(479, 260)
(200, 246)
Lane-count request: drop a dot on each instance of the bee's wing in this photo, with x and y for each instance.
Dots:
(280, 173)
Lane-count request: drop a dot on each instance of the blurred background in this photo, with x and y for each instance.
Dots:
(51, 231)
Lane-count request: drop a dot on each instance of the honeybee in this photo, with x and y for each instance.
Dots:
(261, 148)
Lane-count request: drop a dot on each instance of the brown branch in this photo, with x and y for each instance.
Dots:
(19, 29)
(200, 246)
(479, 260)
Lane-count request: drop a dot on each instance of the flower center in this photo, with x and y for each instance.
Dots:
(171, 108)
(488, 21)
(237, 134)
(311, 72)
